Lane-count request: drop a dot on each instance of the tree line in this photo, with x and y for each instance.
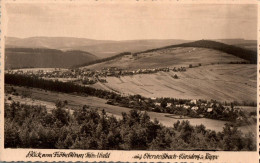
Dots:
(28, 126)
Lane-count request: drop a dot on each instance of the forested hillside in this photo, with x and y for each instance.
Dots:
(45, 58)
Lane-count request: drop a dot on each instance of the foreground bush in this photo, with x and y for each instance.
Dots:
(33, 127)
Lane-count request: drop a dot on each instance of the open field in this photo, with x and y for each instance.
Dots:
(29, 101)
(171, 57)
(223, 82)
(75, 101)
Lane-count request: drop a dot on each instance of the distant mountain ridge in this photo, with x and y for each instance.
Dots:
(100, 48)
(50, 42)
(45, 58)
(108, 48)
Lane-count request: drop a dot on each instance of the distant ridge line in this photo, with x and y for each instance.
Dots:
(209, 44)
(246, 54)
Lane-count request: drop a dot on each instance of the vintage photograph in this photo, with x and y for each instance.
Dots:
(143, 76)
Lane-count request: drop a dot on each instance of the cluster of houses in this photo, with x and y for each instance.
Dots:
(90, 76)
(114, 71)
(193, 105)
(193, 108)
(49, 73)
(201, 108)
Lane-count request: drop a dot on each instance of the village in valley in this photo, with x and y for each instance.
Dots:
(87, 76)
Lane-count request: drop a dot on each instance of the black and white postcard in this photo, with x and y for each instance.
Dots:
(137, 81)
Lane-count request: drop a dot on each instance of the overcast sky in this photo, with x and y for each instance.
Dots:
(129, 21)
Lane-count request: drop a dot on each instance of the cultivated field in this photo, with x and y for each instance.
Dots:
(49, 98)
(171, 57)
(222, 82)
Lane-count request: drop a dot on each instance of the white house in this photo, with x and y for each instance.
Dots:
(186, 106)
(157, 104)
(210, 110)
(195, 108)
(193, 102)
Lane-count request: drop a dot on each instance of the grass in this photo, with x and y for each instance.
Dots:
(172, 57)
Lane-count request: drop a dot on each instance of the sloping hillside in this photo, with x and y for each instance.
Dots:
(171, 57)
(247, 44)
(223, 82)
(44, 58)
(198, 52)
(229, 49)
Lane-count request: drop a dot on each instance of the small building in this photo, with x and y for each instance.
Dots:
(193, 102)
(195, 108)
(186, 106)
(203, 104)
(209, 109)
(157, 104)
(169, 105)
